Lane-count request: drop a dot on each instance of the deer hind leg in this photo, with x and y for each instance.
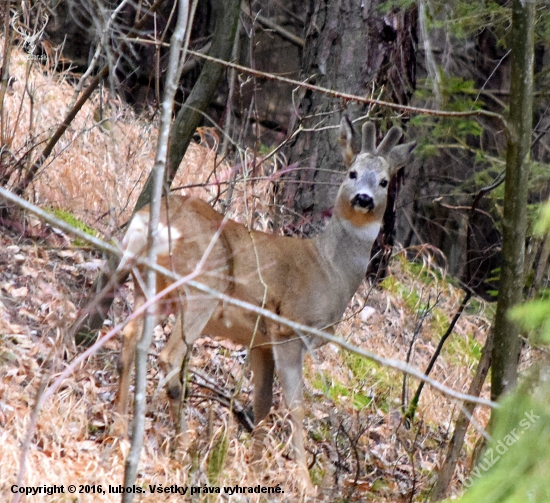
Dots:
(289, 356)
(262, 365)
(130, 338)
(190, 323)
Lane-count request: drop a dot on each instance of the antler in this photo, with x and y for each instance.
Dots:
(368, 140)
(396, 155)
(389, 141)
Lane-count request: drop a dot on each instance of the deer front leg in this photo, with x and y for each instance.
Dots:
(263, 365)
(130, 338)
(171, 360)
(190, 322)
(289, 356)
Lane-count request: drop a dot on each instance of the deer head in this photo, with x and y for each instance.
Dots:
(362, 196)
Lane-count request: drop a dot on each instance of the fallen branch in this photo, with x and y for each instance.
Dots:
(225, 399)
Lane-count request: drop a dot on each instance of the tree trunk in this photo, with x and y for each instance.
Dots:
(191, 113)
(353, 48)
(183, 130)
(506, 345)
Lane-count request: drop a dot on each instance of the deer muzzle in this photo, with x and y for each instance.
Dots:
(363, 201)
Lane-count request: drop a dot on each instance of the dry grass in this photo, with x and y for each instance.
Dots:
(361, 449)
(363, 452)
(100, 165)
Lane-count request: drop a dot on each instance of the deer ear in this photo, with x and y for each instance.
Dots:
(400, 155)
(349, 141)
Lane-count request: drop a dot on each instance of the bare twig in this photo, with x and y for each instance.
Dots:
(229, 104)
(4, 71)
(422, 316)
(76, 108)
(414, 402)
(69, 369)
(272, 25)
(346, 97)
(472, 213)
(91, 67)
(178, 47)
(359, 99)
(225, 399)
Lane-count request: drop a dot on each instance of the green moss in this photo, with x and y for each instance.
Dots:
(420, 271)
(369, 384)
(69, 218)
(332, 388)
(317, 474)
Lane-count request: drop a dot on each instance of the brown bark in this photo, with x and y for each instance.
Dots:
(506, 346)
(350, 47)
(190, 115)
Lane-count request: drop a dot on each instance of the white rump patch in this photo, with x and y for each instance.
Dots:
(134, 242)
(164, 236)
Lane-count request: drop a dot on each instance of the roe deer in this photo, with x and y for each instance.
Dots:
(308, 281)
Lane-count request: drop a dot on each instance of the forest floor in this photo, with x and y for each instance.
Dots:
(359, 447)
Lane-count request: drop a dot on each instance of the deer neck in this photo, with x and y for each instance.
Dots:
(346, 248)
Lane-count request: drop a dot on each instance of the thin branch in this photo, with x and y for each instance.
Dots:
(345, 97)
(461, 425)
(490, 76)
(97, 54)
(416, 399)
(178, 48)
(4, 71)
(351, 97)
(70, 368)
(77, 107)
(473, 209)
(422, 316)
(229, 401)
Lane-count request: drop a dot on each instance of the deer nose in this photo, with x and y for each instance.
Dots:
(363, 201)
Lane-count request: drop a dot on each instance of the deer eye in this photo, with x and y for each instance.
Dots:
(353, 175)
(384, 183)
